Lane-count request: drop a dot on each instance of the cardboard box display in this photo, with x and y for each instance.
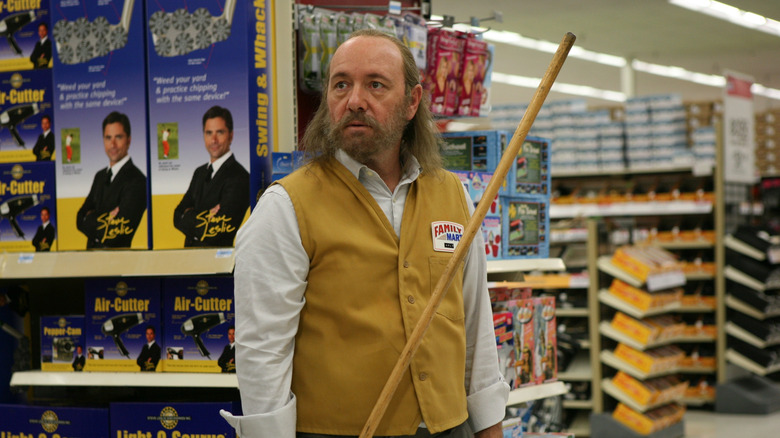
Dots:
(651, 421)
(53, 422)
(486, 147)
(98, 71)
(525, 342)
(641, 299)
(28, 36)
(526, 223)
(198, 325)
(530, 172)
(503, 327)
(652, 360)
(456, 153)
(443, 70)
(62, 343)
(123, 324)
(26, 116)
(27, 207)
(190, 71)
(163, 420)
(470, 89)
(493, 237)
(545, 340)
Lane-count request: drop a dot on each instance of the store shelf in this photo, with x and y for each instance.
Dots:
(743, 362)
(740, 277)
(740, 333)
(684, 244)
(578, 404)
(580, 426)
(575, 312)
(613, 390)
(578, 370)
(129, 263)
(699, 276)
(609, 358)
(654, 282)
(650, 208)
(606, 329)
(524, 265)
(535, 392)
(117, 379)
(741, 306)
(697, 401)
(632, 171)
(616, 303)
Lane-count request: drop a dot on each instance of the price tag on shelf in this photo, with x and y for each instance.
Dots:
(223, 253)
(25, 258)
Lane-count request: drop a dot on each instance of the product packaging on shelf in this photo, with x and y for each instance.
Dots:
(525, 341)
(123, 324)
(651, 421)
(446, 50)
(643, 300)
(200, 55)
(545, 340)
(26, 116)
(27, 207)
(652, 360)
(62, 343)
(199, 325)
(99, 78)
(503, 327)
(526, 226)
(171, 419)
(51, 421)
(470, 90)
(484, 148)
(650, 392)
(530, 172)
(26, 27)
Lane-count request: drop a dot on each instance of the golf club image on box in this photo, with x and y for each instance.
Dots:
(80, 40)
(199, 324)
(180, 32)
(13, 207)
(119, 324)
(13, 116)
(12, 23)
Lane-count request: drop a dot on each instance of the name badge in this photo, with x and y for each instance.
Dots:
(446, 235)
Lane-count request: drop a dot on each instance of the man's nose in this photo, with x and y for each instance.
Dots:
(357, 100)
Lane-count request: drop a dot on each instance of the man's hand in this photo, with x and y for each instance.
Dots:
(214, 211)
(494, 431)
(114, 212)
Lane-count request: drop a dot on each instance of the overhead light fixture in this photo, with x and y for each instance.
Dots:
(731, 14)
(560, 87)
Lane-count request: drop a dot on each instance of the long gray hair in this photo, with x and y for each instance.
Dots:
(421, 138)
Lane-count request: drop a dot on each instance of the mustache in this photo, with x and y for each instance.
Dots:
(360, 117)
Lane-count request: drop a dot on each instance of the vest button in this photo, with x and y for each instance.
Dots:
(410, 298)
(406, 264)
(423, 376)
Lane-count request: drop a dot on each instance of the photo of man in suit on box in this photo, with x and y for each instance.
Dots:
(44, 146)
(150, 353)
(44, 235)
(217, 199)
(41, 54)
(227, 360)
(79, 360)
(116, 202)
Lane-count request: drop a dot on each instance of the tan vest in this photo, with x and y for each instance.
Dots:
(366, 291)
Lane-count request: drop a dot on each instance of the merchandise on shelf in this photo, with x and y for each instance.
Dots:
(28, 208)
(123, 324)
(445, 51)
(170, 419)
(53, 421)
(63, 343)
(643, 300)
(526, 226)
(98, 70)
(26, 27)
(645, 262)
(484, 149)
(651, 421)
(650, 361)
(198, 325)
(503, 327)
(649, 330)
(26, 116)
(470, 88)
(767, 151)
(530, 171)
(545, 340)
(191, 71)
(650, 392)
(525, 341)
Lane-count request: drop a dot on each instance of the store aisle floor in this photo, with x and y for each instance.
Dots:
(705, 424)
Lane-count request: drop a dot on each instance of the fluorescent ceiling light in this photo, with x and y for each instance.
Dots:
(560, 87)
(731, 14)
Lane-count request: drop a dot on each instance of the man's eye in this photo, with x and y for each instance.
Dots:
(340, 85)
(376, 84)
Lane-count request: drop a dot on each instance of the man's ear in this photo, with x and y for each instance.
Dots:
(414, 102)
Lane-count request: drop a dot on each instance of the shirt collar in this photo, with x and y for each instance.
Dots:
(45, 224)
(220, 161)
(118, 166)
(411, 170)
(46, 132)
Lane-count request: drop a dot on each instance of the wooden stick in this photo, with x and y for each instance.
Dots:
(473, 226)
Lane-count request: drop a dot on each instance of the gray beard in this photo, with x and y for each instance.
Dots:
(364, 147)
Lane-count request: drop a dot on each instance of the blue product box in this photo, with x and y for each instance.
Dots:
(286, 162)
(26, 27)
(62, 343)
(27, 207)
(463, 176)
(530, 171)
(53, 422)
(26, 116)
(492, 236)
(201, 54)
(526, 227)
(485, 148)
(162, 420)
(99, 70)
(199, 325)
(123, 324)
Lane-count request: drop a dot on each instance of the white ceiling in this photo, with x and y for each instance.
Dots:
(648, 30)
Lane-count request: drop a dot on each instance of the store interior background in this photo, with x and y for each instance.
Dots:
(652, 31)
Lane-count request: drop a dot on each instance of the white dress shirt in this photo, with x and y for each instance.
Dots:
(270, 280)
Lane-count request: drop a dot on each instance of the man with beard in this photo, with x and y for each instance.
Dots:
(338, 260)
